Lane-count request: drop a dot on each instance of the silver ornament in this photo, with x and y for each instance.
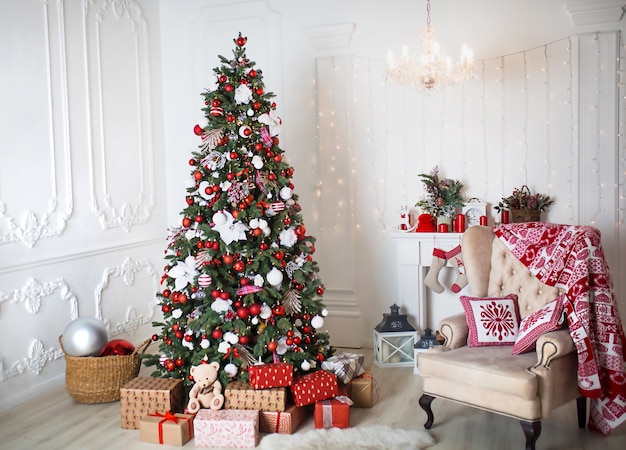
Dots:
(84, 336)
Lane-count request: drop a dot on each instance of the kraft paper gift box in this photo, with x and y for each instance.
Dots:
(226, 428)
(238, 395)
(333, 413)
(264, 376)
(168, 428)
(363, 391)
(282, 422)
(345, 365)
(146, 395)
(315, 386)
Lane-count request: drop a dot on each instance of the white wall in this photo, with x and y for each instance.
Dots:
(82, 192)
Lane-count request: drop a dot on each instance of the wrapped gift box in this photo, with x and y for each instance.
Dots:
(333, 413)
(146, 395)
(168, 428)
(345, 365)
(264, 376)
(363, 391)
(282, 422)
(226, 428)
(238, 395)
(312, 387)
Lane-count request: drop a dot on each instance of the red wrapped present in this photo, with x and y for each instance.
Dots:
(333, 413)
(145, 395)
(312, 387)
(239, 395)
(345, 365)
(168, 428)
(263, 376)
(284, 422)
(226, 428)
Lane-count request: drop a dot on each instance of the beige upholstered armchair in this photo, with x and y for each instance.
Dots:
(526, 386)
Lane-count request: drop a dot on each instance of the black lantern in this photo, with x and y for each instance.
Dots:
(394, 339)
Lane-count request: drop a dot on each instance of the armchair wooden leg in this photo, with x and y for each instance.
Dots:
(532, 430)
(581, 407)
(425, 401)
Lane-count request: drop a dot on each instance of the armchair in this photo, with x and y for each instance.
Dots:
(526, 387)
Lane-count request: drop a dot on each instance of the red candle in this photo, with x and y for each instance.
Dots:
(443, 227)
(459, 221)
(504, 217)
(483, 220)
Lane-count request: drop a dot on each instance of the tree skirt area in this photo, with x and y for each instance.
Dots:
(373, 437)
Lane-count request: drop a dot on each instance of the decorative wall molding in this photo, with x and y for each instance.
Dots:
(136, 136)
(331, 36)
(30, 226)
(593, 12)
(127, 271)
(31, 295)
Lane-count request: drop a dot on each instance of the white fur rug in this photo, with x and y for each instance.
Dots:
(374, 437)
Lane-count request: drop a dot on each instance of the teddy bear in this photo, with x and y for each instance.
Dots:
(207, 390)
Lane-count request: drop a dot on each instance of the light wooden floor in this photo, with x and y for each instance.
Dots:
(55, 421)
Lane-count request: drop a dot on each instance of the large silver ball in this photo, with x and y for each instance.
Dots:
(84, 336)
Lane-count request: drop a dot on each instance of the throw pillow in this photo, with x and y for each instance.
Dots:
(491, 321)
(548, 318)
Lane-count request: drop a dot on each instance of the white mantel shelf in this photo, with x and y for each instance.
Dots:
(414, 253)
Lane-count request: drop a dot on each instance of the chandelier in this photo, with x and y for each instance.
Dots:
(433, 69)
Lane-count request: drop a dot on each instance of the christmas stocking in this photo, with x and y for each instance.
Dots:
(461, 278)
(432, 277)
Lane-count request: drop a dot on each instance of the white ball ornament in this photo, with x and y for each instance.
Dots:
(219, 218)
(286, 193)
(305, 365)
(317, 322)
(266, 312)
(231, 370)
(324, 312)
(205, 343)
(84, 336)
(274, 277)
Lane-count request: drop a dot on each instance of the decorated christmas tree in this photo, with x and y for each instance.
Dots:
(240, 285)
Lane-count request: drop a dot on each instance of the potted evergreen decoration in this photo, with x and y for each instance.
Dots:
(443, 197)
(524, 206)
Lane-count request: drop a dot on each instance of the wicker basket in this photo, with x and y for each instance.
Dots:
(98, 379)
(525, 215)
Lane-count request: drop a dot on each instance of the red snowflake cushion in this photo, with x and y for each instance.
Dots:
(548, 318)
(491, 321)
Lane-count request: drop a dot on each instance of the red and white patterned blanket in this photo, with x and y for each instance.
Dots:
(571, 257)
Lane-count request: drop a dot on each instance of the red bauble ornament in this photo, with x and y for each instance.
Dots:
(300, 230)
(227, 259)
(198, 130)
(275, 141)
(170, 365)
(179, 362)
(289, 341)
(224, 295)
(237, 304)
(257, 232)
(256, 105)
(186, 222)
(259, 91)
(188, 337)
(239, 266)
(263, 246)
(192, 162)
(167, 293)
(216, 245)
(166, 308)
(175, 327)
(199, 218)
(278, 158)
(229, 88)
(306, 329)
(230, 176)
(271, 346)
(255, 309)
(217, 101)
(287, 220)
(297, 340)
(189, 200)
(243, 313)
(197, 175)
(118, 347)
(271, 176)
(244, 281)
(216, 334)
(215, 293)
(289, 333)
(320, 357)
(258, 147)
(243, 340)
(241, 41)
(320, 290)
(234, 155)
(252, 74)
(182, 298)
(279, 254)
(223, 78)
(230, 118)
(179, 334)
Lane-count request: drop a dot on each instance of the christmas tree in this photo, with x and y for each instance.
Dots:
(240, 285)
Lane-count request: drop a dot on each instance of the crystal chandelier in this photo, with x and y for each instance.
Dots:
(433, 69)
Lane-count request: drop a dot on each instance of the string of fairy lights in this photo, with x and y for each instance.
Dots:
(551, 68)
